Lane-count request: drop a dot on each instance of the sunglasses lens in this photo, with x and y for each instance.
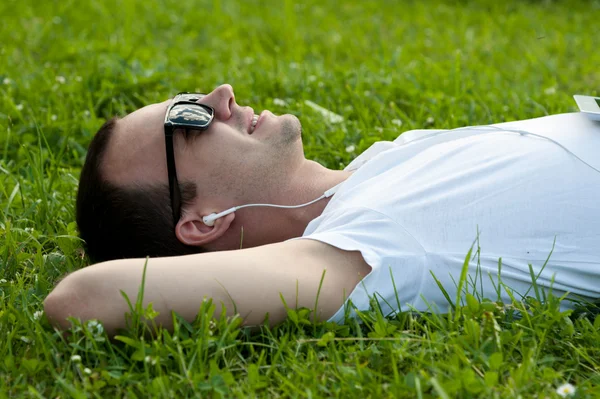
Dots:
(187, 114)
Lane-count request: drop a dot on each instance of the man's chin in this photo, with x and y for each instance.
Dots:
(291, 126)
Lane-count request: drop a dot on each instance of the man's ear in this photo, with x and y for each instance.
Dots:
(191, 230)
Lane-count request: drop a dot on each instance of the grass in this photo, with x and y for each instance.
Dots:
(385, 67)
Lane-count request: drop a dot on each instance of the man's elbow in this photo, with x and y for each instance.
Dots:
(67, 299)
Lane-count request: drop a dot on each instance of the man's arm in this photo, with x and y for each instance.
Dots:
(253, 278)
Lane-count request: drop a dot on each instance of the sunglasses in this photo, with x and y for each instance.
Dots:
(184, 113)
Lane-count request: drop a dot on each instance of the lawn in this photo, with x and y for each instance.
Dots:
(385, 67)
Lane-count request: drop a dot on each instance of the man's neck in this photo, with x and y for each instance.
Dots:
(273, 225)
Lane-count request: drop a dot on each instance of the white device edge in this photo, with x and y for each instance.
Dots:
(588, 105)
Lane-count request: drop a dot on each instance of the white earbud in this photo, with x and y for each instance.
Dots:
(210, 219)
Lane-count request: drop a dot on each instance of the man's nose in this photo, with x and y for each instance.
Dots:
(222, 99)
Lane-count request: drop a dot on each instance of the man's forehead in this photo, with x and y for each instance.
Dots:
(136, 152)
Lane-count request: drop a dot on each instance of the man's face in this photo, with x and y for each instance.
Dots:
(229, 161)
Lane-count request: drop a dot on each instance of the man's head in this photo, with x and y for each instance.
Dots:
(123, 203)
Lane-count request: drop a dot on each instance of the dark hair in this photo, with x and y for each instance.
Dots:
(125, 222)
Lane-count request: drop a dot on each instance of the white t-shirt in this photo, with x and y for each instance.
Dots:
(414, 207)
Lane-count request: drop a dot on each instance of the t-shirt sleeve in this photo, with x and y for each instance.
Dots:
(394, 255)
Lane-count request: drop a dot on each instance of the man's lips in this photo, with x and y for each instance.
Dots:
(261, 117)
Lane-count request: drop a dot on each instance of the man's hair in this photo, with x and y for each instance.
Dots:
(125, 222)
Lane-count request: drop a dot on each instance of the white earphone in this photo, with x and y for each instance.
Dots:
(210, 219)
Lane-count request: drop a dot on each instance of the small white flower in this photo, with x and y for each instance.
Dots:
(565, 390)
(86, 113)
(76, 358)
(397, 122)
(550, 91)
(25, 339)
(350, 148)
(149, 359)
(379, 129)
(54, 117)
(2, 280)
(61, 80)
(29, 229)
(95, 327)
(279, 102)
(78, 78)
(87, 371)
(38, 314)
(19, 107)
(7, 81)
(430, 120)
(312, 78)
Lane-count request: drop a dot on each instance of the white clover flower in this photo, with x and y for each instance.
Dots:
(38, 314)
(7, 81)
(61, 80)
(28, 229)
(95, 327)
(430, 120)
(350, 148)
(279, 102)
(149, 359)
(25, 339)
(565, 390)
(54, 117)
(397, 122)
(2, 280)
(76, 358)
(312, 78)
(550, 91)
(86, 113)
(19, 107)
(87, 371)
(78, 78)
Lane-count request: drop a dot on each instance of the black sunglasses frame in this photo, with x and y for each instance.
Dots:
(170, 128)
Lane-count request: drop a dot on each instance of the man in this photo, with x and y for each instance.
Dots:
(398, 215)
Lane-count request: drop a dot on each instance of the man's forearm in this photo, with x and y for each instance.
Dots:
(253, 280)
